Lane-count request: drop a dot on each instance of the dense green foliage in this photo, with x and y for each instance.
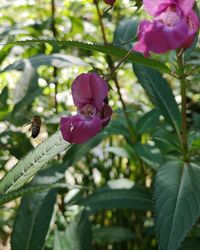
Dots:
(134, 186)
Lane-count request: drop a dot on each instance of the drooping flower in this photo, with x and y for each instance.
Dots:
(174, 26)
(89, 92)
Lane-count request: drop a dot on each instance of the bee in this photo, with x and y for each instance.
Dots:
(35, 126)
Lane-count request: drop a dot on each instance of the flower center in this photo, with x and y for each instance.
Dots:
(170, 17)
(89, 110)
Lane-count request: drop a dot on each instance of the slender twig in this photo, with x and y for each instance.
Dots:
(182, 79)
(113, 71)
(120, 62)
(54, 31)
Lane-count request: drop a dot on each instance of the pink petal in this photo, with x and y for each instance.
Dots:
(154, 6)
(76, 129)
(193, 24)
(106, 114)
(185, 5)
(89, 88)
(159, 38)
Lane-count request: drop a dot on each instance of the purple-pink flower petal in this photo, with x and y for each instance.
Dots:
(193, 25)
(154, 6)
(159, 38)
(77, 129)
(106, 114)
(185, 5)
(89, 88)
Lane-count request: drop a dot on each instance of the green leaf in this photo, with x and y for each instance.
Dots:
(32, 222)
(111, 234)
(77, 235)
(125, 33)
(106, 49)
(148, 122)
(32, 163)
(160, 94)
(3, 103)
(29, 190)
(191, 244)
(56, 60)
(121, 193)
(177, 202)
(149, 154)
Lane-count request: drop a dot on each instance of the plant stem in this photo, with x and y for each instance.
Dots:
(54, 31)
(183, 86)
(113, 72)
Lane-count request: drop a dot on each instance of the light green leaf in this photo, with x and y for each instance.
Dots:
(32, 221)
(106, 49)
(177, 202)
(56, 60)
(32, 163)
(121, 193)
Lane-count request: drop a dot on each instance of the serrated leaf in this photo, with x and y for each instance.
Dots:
(121, 193)
(32, 222)
(32, 163)
(106, 49)
(29, 190)
(177, 202)
(160, 94)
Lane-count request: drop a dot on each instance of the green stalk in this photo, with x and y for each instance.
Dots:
(113, 71)
(182, 78)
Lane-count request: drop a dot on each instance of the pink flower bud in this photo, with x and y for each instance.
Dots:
(111, 2)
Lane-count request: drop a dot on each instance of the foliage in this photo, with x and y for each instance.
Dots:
(135, 185)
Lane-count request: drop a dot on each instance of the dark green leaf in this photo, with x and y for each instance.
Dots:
(32, 222)
(160, 94)
(125, 33)
(77, 235)
(177, 202)
(120, 193)
(111, 234)
(149, 154)
(148, 122)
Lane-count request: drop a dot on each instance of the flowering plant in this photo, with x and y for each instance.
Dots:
(89, 92)
(174, 26)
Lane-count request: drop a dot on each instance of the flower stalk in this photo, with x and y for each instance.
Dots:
(183, 86)
(113, 72)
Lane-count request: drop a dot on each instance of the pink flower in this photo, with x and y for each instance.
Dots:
(174, 26)
(89, 92)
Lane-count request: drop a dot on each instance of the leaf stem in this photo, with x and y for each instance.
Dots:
(113, 72)
(180, 63)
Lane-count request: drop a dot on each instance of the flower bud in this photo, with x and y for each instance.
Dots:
(111, 2)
